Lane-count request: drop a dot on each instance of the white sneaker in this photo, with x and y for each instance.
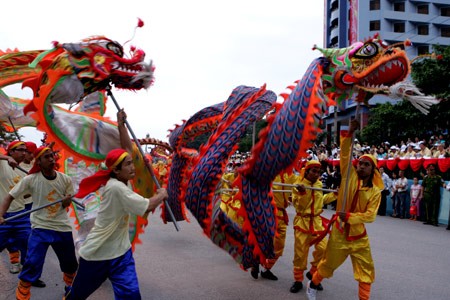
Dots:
(15, 268)
(310, 292)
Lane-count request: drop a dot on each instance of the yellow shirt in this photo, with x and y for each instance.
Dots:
(309, 206)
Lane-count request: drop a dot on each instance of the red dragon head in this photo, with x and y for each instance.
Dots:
(99, 61)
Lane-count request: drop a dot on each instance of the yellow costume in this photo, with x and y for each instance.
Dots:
(282, 202)
(351, 238)
(230, 205)
(308, 224)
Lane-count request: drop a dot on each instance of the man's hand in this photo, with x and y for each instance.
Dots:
(2, 220)
(121, 117)
(66, 201)
(342, 215)
(300, 188)
(12, 162)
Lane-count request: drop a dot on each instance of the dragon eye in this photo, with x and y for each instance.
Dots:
(116, 48)
(368, 50)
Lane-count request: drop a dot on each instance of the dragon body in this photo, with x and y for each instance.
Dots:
(357, 72)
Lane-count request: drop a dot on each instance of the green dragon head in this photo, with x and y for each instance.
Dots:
(369, 67)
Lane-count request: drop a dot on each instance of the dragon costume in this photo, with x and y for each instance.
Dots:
(76, 74)
(357, 72)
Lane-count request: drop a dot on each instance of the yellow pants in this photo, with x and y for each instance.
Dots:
(301, 250)
(278, 243)
(337, 251)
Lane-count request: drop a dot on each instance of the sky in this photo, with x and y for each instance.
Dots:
(201, 49)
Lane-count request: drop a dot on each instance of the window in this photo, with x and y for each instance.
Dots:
(374, 4)
(374, 25)
(421, 50)
(422, 30)
(422, 9)
(399, 27)
(445, 11)
(399, 6)
(445, 31)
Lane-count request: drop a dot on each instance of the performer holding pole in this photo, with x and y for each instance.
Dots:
(364, 192)
(50, 226)
(106, 253)
(147, 164)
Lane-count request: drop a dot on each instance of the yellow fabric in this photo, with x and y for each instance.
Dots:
(230, 205)
(301, 250)
(368, 197)
(337, 251)
(304, 208)
(9, 178)
(339, 246)
(46, 191)
(307, 206)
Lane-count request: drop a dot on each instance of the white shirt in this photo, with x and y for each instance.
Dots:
(109, 238)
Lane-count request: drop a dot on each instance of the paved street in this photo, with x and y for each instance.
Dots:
(412, 261)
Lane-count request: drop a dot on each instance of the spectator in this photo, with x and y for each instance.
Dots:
(416, 198)
(432, 195)
(401, 186)
(387, 186)
(394, 194)
(424, 150)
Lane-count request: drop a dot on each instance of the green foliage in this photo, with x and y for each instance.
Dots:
(7, 136)
(432, 75)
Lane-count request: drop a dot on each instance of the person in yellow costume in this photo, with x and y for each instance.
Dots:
(230, 205)
(308, 224)
(282, 202)
(356, 206)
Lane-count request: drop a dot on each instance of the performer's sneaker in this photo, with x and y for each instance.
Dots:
(39, 283)
(309, 276)
(268, 275)
(310, 292)
(296, 287)
(255, 272)
(15, 268)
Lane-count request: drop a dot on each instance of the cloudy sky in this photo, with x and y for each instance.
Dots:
(201, 49)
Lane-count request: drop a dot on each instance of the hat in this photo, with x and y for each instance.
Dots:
(94, 182)
(31, 147)
(38, 153)
(394, 148)
(14, 145)
(387, 143)
(416, 148)
(421, 142)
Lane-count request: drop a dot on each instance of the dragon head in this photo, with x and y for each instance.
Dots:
(99, 61)
(372, 66)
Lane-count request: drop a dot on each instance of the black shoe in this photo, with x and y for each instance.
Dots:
(448, 228)
(255, 272)
(435, 224)
(38, 283)
(319, 287)
(296, 287)
(268, 275)
(426, 223)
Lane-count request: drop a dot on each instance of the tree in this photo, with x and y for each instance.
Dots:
(398, 122)
(6, 136)
(432, 73)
